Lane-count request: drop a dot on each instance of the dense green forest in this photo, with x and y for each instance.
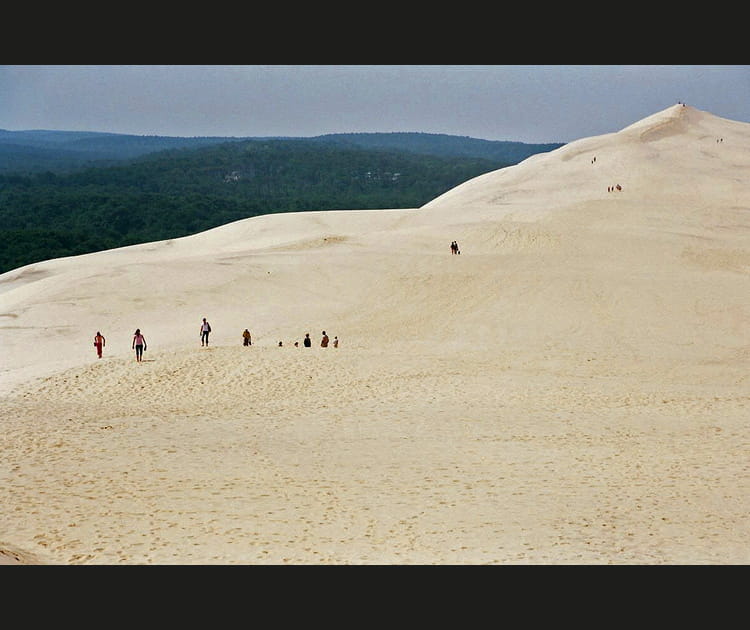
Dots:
(176, 192)
(66, 151)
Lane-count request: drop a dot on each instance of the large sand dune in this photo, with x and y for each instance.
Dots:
(572, 388)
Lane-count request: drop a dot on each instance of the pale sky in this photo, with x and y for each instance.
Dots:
(524, 103)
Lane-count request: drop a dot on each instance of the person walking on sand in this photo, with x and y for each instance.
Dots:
(205, 329)
(139, 345)
(307, 341)
(99, 342)
(324, 340)
(246, 338)
(335, 342)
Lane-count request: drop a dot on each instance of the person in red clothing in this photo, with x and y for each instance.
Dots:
(99, 343)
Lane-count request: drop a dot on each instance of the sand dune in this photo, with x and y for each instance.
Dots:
(573, 388)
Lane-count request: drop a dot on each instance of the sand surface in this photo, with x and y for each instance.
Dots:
(572, 389)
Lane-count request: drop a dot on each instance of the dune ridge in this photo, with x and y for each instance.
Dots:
(572, 388)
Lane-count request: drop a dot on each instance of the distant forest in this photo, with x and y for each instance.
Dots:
(70, 193)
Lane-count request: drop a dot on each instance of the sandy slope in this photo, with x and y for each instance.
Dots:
(572, 388)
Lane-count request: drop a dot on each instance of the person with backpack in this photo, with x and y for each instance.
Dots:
(205, 329)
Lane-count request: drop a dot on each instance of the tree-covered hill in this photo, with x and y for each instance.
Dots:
(443, 145)
(173, 193)
(65, 151)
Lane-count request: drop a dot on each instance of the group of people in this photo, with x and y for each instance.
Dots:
(140, 346)
(307, 342)
(454, 248)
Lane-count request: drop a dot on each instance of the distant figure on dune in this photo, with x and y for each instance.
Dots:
(246, 341)
(454, 247)
(324, 340)
(205, 329)
(335, 342)
(281, 344)
(139, 344)
(99, 343)
(307, 341)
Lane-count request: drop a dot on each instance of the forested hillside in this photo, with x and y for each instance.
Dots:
(174, 193)
(66, 151)
(443, 145)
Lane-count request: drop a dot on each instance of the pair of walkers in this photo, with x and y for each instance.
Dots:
(139, 344)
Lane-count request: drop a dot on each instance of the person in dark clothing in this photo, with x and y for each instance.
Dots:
(307, 341)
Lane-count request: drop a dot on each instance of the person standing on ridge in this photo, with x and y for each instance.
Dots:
(307, 341)
(324, 340)
(205, 329)
(99, 342)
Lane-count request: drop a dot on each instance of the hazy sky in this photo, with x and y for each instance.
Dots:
(495, 102)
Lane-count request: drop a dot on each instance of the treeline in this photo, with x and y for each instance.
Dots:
(179, 192)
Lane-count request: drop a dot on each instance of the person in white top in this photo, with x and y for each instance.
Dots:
(205, 329)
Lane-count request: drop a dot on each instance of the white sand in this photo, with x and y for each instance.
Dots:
(572, 388)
